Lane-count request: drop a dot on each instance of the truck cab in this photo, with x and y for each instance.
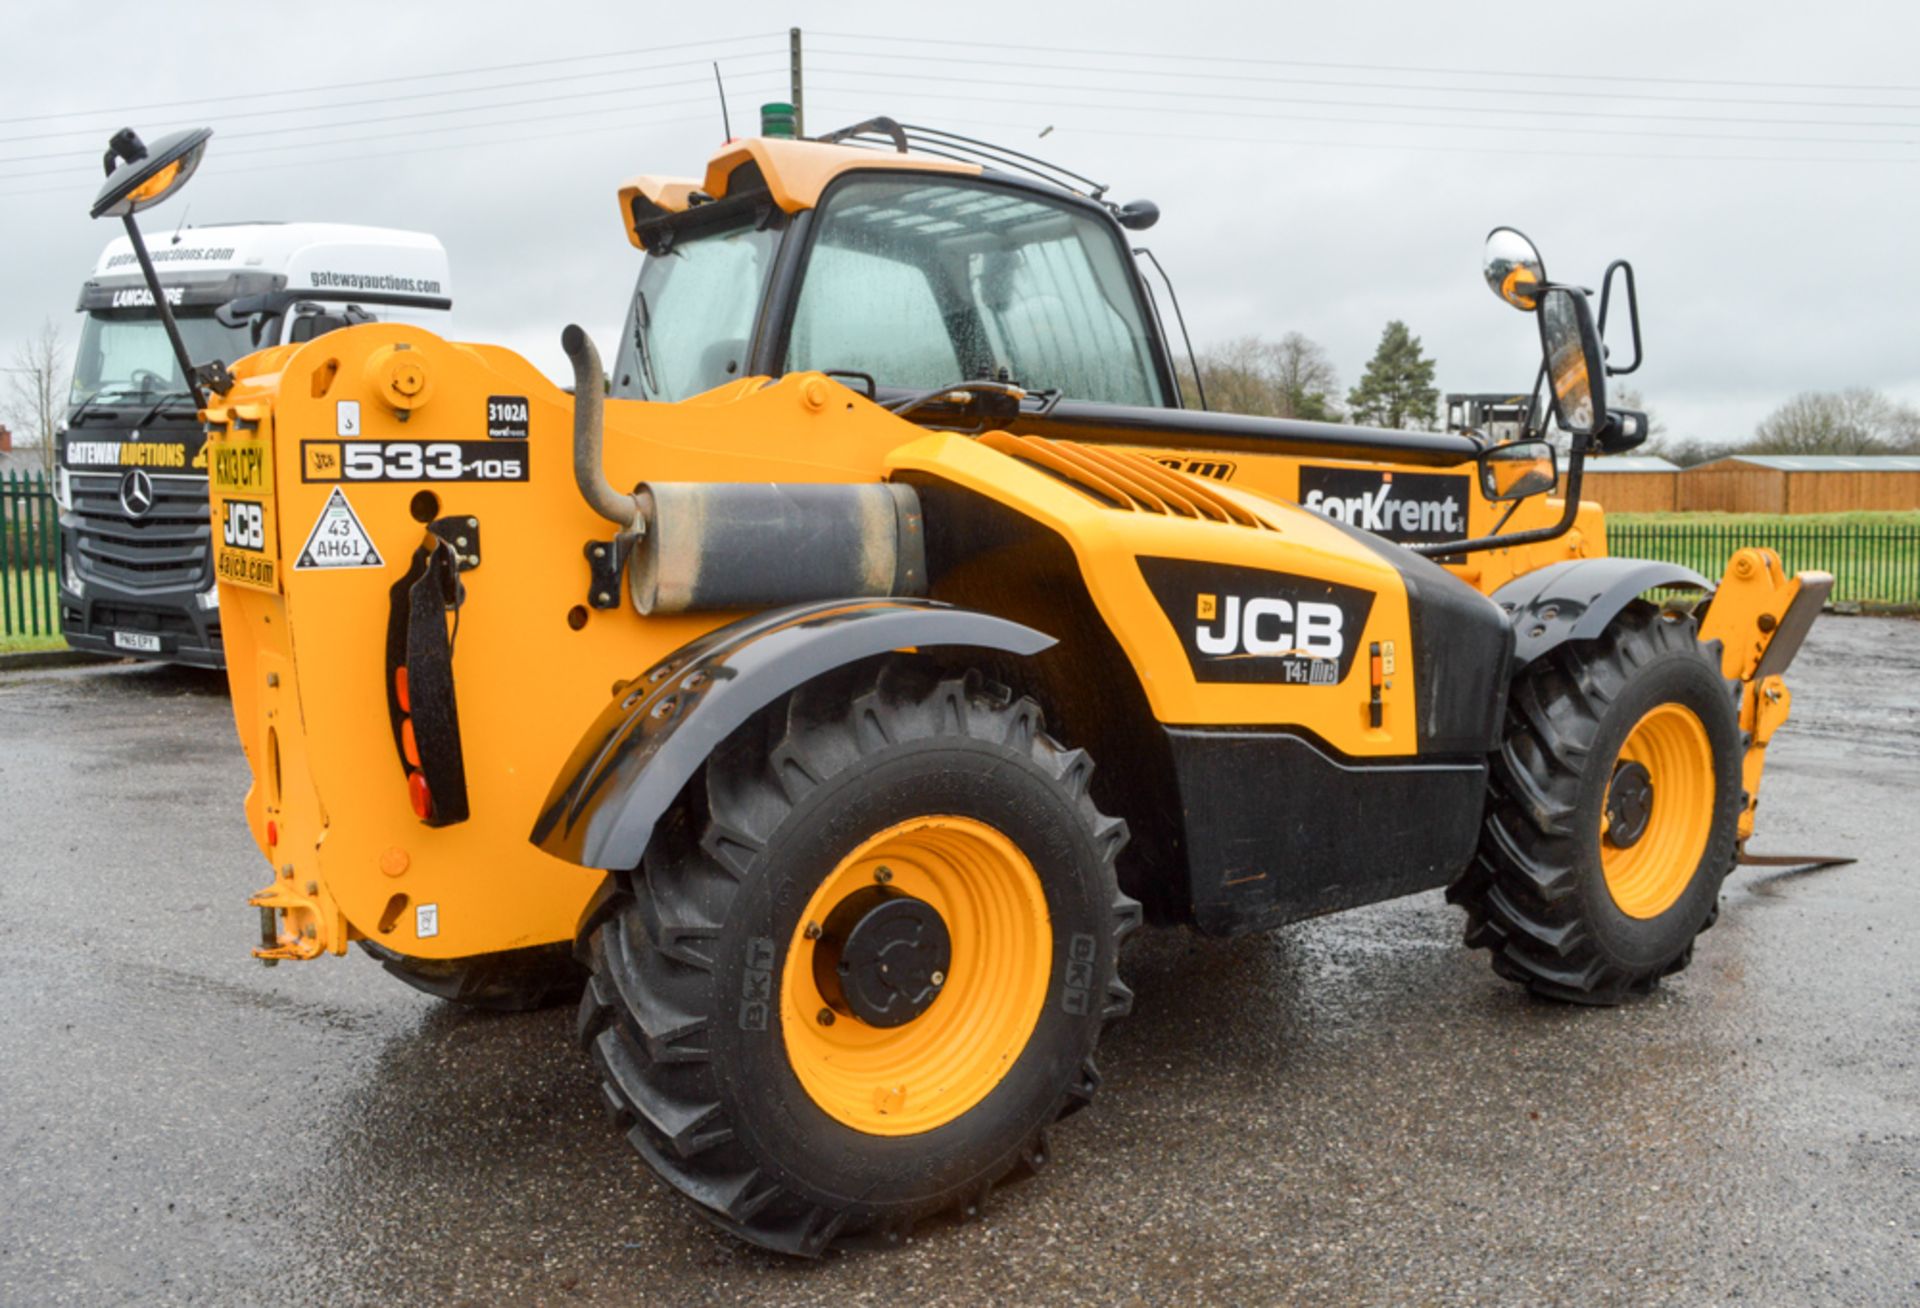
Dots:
(137, 556)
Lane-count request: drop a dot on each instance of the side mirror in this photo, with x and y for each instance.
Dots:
(1576, 368)
(1512, 265)
(1518, 469)
(145, 175)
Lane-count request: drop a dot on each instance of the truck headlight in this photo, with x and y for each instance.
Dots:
(208, 598)
(74, 584)
(62, 491)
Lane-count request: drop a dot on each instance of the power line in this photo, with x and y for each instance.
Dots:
(1557, 75)
(360, 156)
(424, 113)
(419, 95)
(1437, 126)
(422, 131)
(1366, 86)
(1497, 150)
(1375, 104)
(410, 77)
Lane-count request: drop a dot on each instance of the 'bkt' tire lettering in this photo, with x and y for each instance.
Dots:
(1264, 626)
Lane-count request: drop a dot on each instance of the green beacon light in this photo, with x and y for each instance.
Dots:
(776, 119)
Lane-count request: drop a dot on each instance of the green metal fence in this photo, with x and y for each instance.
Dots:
(29, 556)
(1874, 565)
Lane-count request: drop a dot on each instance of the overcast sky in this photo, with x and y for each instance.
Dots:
(1320, 168)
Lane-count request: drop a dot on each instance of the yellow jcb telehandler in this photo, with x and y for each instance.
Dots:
(753, 690)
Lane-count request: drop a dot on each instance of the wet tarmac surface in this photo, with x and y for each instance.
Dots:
(1349, 1110)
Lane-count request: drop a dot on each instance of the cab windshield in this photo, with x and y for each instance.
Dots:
(921, 284)
(125, 356)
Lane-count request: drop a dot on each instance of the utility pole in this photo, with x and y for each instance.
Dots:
(793, 76)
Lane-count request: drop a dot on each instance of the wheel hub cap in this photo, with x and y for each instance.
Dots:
(882, 957)
(1629, 804)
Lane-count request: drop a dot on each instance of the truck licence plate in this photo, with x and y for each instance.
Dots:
(136, 640)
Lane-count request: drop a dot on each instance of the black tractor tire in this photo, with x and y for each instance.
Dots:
(683, 1012)
(512, 981)
(1537, 895)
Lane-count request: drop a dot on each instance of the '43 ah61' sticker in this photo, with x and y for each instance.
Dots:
(412, 461)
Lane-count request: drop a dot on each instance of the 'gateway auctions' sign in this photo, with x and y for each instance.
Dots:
(132, 454)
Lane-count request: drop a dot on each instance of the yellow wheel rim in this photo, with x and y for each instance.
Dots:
(1650, 858)
(925, 1073)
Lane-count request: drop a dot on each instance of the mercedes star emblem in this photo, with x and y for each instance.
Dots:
(136, 493)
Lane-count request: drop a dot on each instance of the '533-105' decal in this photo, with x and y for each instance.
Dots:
(411, 461)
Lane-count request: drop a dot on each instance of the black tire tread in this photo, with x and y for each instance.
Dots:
(1519, 893)
(643, 1016)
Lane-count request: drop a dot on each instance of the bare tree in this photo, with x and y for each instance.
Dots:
(37, 391)
(1288, 378)
(1855, 421)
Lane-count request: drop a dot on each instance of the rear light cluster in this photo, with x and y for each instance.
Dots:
(418, 793)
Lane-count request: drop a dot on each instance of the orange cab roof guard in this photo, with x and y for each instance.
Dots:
(796, 172)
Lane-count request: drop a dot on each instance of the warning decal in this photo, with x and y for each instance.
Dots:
(337, 539)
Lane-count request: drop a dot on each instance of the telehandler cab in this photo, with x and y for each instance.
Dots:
(754, 692)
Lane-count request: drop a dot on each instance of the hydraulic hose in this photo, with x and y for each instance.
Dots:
(589, 432)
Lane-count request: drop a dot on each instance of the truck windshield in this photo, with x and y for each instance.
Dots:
(691, 321)
(926, 283)
(126, 355)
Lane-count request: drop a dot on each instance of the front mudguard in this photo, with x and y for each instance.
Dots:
(658, 731)
(1757, 614)
(1575, 600)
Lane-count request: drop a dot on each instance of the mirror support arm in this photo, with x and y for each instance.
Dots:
(1576, 465)
(165, 311)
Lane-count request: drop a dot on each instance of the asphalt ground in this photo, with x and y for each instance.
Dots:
(1349, 1110)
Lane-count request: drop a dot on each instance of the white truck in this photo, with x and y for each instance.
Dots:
(137, 549)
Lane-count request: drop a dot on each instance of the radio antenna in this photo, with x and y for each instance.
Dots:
(725, 126)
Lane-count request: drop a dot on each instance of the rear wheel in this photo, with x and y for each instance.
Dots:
(865, 964)
(1613, 812)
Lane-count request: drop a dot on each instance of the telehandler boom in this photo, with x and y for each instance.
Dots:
(752, 691)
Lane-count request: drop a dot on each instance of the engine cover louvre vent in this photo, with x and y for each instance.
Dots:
(1124, 480)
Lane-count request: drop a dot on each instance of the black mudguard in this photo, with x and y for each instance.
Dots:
(648, 743)
(1576, 600)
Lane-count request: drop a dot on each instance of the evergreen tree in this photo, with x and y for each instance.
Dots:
(1397, 388)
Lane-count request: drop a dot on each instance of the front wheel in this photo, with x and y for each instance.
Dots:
(1613, 812)
(864, 966)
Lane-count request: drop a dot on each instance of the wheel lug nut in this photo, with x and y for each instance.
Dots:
(883, 875)
(938, 978)
(826, 1017)
(813, 930)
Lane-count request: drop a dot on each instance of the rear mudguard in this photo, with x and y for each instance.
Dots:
(1576, 600)
(648, 743)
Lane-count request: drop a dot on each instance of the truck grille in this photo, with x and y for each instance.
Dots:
(167, 548)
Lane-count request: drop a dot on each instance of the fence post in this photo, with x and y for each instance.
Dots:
(6, 554)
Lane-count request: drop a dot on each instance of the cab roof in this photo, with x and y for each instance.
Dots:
(795, 174)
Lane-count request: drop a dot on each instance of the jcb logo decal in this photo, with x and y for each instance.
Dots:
(244, 526)
(1264, 625)
(1246, 624)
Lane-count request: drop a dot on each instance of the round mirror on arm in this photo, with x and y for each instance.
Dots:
(1512, 266)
